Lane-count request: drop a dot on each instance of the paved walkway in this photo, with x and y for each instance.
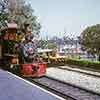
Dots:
(13, 88)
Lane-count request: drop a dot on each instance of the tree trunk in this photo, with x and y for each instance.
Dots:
(99, 58)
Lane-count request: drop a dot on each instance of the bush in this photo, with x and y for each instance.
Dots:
(76, 62)
(83, 63)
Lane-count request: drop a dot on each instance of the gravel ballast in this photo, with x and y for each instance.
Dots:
(78, 79)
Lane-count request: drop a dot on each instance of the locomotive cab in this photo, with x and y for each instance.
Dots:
(8, 52)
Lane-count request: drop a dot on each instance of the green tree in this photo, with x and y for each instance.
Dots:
(20, 12)
(42, 44)
(47, 44)
(51, 46)
(90, 39)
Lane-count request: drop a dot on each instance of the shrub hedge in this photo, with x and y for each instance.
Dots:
(83, 63)
(76, 62)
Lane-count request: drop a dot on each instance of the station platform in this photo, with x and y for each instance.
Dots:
(13, 87)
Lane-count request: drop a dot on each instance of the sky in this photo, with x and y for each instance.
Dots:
(65, 17)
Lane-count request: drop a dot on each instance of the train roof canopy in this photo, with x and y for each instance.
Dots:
(9, 26)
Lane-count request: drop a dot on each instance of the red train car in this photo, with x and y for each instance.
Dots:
(33, 70)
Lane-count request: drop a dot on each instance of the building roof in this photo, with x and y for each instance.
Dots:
(44, 50)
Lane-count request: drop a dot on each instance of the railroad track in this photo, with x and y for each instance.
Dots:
(67, 91)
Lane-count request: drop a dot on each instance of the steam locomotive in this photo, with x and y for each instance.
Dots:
(20, 55)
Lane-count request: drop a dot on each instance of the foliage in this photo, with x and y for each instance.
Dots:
(84, 63)
(51, 46)
(21, 13)
(42, 43)
(90, 39)
(47, 44)
(74, 62)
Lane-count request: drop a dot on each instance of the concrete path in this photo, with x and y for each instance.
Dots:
(14, 88)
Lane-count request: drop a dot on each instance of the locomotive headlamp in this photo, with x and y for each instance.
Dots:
(29, 37)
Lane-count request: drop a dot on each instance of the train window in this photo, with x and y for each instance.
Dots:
(6, 36)
(9, 36)
(12, 36)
